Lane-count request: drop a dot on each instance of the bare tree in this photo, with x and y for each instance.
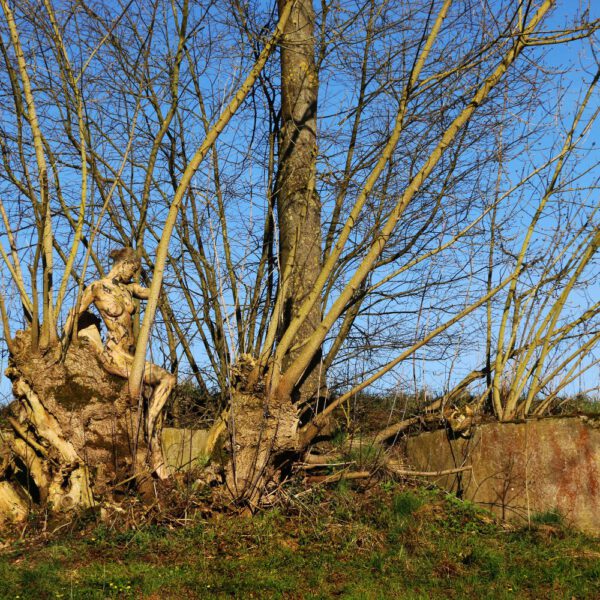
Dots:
(286, 241)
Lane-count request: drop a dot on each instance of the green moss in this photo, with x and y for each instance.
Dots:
(72, 395)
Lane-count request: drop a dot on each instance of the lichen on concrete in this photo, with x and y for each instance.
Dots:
(521, 469)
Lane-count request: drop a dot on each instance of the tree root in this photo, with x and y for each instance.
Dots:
(12, 506)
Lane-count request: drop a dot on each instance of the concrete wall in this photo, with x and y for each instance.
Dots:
(184, 448)
(520, 469)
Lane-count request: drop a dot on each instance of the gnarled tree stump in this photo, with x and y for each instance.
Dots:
(262, 434)
(74, 434)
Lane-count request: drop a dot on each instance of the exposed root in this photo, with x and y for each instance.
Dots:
(74, 432)
(12, 506)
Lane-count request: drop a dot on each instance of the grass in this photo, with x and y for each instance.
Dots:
(549, 517)
(385, 542)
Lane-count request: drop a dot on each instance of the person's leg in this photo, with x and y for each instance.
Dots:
(119, 363)
(163, 383)
(116, 362)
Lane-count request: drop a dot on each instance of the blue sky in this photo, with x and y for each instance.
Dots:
(573, 66)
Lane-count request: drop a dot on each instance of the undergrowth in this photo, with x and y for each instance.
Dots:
(382, 542)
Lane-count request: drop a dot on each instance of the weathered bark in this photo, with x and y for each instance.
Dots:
(262, 433)
(298, 205)
(75, 434)
(13, 507)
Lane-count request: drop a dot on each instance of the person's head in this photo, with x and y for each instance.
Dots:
(126, 263)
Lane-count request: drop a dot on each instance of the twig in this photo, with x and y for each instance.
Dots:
(410, 472)
(338, 476)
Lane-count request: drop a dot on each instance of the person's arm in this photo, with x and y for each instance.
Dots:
(86, 300)
(139, 291)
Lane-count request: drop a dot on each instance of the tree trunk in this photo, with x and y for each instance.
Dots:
(75, 435)
(262, 434)
(298, 205)
(263, 427)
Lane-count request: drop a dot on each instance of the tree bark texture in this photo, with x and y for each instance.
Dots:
(262, 427)
(73, 433)
(298, 205)
(261, 435)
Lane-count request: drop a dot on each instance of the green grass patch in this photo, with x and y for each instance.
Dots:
(550, 517)
(405, 504)
(385, 542)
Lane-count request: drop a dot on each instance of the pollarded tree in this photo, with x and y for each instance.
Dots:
(298, 203)
(264, 417)
(365, 226)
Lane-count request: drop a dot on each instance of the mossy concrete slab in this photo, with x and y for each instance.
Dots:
(521, 469)
(184, 449)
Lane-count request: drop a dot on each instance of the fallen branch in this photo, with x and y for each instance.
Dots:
(390, 465)
(318, 459)
(411, 473)
(395, 429)
(337, 476)
(310, 465)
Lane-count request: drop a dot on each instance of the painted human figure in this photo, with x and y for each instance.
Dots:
(113, 296)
